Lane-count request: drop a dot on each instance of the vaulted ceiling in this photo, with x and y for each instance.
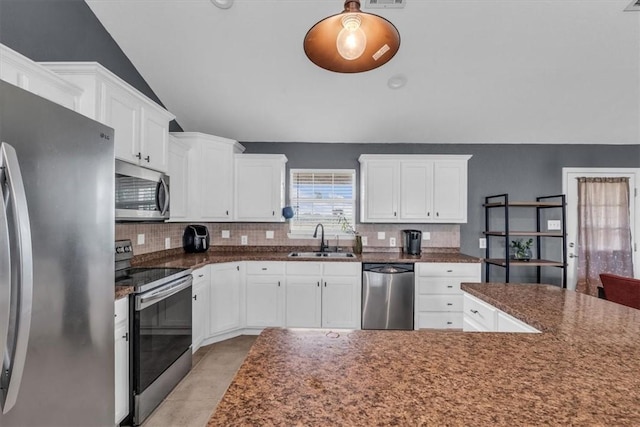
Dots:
(477, 71)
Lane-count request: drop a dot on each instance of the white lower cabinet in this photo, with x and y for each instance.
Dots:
(226, 297)
(323, 294)
(438, 293)
(480, 316)
(265, 294)
(121, 336)
(200, 308)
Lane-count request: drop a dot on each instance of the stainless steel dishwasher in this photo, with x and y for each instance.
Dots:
(387, 296)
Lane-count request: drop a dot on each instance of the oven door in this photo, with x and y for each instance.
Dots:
(162, 330)
(141, 194)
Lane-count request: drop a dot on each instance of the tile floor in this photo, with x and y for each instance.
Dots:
(194, 399)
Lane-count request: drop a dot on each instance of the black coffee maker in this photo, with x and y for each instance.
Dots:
(412, 241)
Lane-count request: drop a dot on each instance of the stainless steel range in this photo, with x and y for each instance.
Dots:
(161, 328)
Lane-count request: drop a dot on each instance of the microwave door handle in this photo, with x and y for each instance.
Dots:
(165, 188)
(13, 364)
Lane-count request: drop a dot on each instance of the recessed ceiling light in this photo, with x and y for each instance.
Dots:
(396, 82)
(223, 4)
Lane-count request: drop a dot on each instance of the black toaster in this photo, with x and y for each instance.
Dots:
(195, 238)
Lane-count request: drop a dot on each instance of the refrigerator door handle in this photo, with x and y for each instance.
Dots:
(13, 363)
(5, 267)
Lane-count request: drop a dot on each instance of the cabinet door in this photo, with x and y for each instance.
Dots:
(303, 302)
(341, 303)
(216, 182)
(200, 307)
(225, 297)
(259, 187)
(379, 191)
(154, 141)
(179, 176)
(416, 191)
(121, 337)
(122, 111)
(265, 301)
(450, 191)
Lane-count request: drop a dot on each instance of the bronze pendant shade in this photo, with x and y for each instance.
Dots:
(352, 41)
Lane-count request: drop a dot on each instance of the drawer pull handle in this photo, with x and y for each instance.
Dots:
(450, 286)
(449, 323)
(264, 268)
(474, 311)
(449, 303)
(318, 284)
(200, 275)
(449, 271)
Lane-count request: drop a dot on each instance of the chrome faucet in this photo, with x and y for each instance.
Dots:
(323, 245)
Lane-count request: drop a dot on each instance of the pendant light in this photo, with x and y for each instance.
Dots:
(352, 41)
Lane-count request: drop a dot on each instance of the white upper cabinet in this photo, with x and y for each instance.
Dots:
(179, 179)
(259, 187)
(208, 169)
(29, 75)
(413, 188)
(141, 126)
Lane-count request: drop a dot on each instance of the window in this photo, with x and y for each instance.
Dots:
(322, 196)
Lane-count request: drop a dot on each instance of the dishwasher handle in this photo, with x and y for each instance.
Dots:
(389, 269)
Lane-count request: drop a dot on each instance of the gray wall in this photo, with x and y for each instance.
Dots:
(524, 171)
(66, 30)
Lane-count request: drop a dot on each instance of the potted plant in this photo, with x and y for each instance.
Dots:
(521, 249)
(348, 228)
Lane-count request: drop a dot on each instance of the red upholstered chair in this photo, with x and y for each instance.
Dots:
(623, 290)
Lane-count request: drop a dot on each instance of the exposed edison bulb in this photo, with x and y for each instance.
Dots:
(351, 40)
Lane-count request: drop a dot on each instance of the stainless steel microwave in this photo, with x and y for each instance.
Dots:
(141, 194)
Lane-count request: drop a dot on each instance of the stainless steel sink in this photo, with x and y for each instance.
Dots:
(321, 255)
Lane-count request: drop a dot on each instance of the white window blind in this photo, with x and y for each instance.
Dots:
(322, 196)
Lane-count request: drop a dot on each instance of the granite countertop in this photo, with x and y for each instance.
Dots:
(182, 259)
(583, 369)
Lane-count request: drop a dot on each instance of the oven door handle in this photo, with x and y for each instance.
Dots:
(156, 295)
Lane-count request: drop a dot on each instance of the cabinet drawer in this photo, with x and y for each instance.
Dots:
(341, 268)
(507, 323)
(444, 269)
(121, 310)
(440, 303)
(265, 267)
(304, 268)
(439, 285)
(480, 312)
(452, 320)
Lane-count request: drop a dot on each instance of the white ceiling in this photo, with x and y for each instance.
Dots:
(493, 71)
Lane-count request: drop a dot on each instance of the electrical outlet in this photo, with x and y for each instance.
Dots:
(269, 234)
(365, 241)
(483, 243)
(167, 242)
(244, 240)
(381, 235)
(141, 239)
(554, 225)
(392, 242)
(226, 234)
(426, 235)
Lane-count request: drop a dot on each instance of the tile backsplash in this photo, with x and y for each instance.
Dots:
(155, 235)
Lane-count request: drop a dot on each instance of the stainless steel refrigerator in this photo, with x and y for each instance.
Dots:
(56, 265)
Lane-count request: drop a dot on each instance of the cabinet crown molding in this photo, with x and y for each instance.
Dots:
(99, 71)
(189, 136)
(439, 157)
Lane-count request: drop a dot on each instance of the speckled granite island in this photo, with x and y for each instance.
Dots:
(583, 369)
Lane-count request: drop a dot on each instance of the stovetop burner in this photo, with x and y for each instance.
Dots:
(141, 278)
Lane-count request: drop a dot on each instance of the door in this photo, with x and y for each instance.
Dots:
(449, 191)
(303, 302)
(416, 188)
(570, 189)
(122, 112)
(216, 179)
(225, 297)
(381, 203)
(154, 140)
(340, 302)
(264, 301)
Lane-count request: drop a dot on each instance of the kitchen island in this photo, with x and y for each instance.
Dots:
(583, 369)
